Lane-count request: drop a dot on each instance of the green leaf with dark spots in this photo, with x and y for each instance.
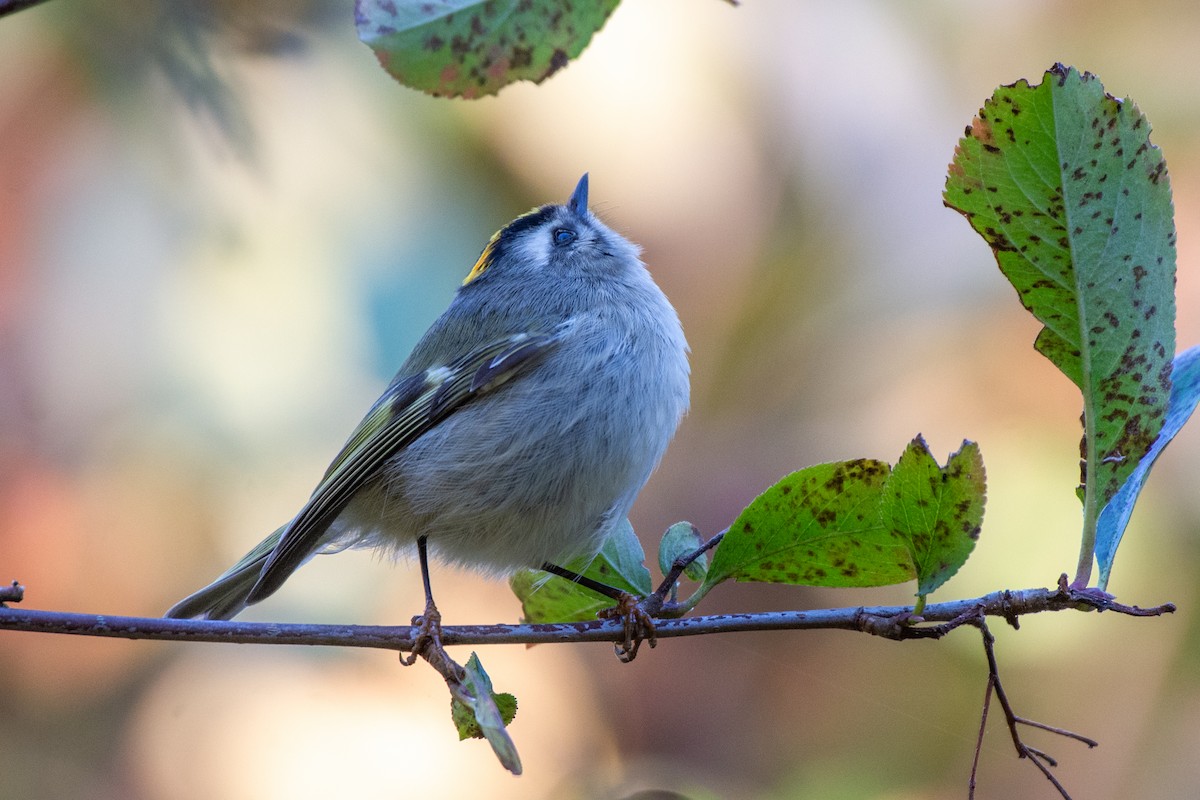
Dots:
(820, 526)
(480, 713)
(1062, 181)
(468, 48)
(619, 564)
(937, 510)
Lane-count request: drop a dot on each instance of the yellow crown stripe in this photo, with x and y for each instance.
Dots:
(485, 259)
(489, 250)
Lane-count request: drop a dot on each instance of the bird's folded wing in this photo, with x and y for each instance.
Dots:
(409, 408)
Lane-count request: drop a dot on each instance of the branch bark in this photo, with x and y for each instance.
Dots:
(893, 622)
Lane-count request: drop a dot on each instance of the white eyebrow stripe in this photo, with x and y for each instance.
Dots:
(533, 246)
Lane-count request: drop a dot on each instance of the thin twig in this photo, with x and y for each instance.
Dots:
(1040, 759)
(893, 622)
(987, 704)
(885, 621)
(684, 561)
(13, 593)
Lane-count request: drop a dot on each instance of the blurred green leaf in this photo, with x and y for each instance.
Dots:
(1062, 181)
(480, 713)
(619, 564)
(937, 511)
(470, 48)
(820, 526)
(682, 539)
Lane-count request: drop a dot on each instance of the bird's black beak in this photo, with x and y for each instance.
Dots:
(579, 200)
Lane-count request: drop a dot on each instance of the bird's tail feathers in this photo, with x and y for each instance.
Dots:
(226, 596)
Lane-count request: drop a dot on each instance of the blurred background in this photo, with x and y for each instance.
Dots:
(222, 227)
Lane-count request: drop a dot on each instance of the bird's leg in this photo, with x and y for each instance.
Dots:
(586, 582)
(429, 624)
(636, 614)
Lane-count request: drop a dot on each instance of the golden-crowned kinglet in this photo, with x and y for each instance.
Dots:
(519, 430)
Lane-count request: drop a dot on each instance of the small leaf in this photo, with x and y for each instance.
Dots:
(480, 713)
(472, 48)
(619, 564)
(937, 511)
(1185, 392)
(1062, 181)
(466, 722)
(820, 526)
(682, 539)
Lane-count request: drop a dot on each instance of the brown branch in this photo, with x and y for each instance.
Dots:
(892, 622)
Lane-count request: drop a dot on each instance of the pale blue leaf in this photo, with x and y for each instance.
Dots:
(1185, 392)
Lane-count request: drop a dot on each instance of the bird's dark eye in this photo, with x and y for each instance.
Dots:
(564, 236)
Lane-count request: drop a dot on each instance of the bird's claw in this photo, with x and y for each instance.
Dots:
(429, 634)
(637, 624)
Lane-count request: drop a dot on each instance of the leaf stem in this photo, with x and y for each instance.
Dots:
(670, 582)
(1091, 510)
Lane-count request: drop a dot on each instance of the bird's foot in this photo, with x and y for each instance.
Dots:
(637, 622)
(429, 634)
